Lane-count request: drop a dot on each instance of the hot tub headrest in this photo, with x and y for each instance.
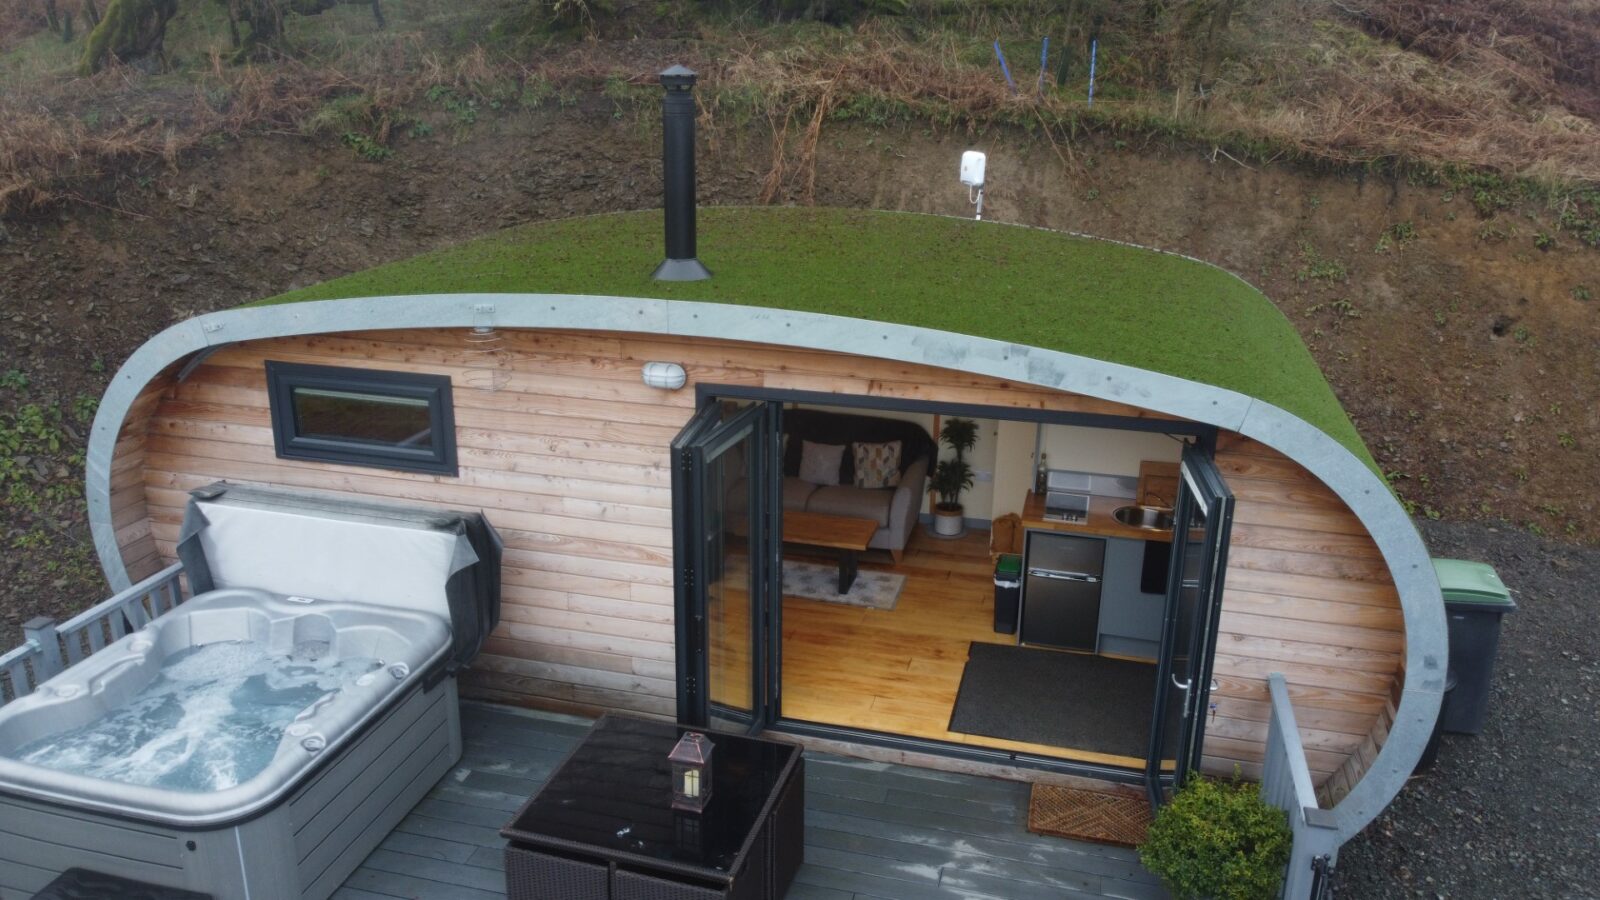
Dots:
(438, 561)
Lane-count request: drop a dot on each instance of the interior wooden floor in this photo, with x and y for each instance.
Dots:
(899, 670)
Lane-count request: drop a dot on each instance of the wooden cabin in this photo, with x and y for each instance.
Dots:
(676, 543)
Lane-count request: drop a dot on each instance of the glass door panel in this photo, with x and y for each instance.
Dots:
(720, 531)
(1204, 517)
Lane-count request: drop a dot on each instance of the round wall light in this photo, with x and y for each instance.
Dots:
(665, 375)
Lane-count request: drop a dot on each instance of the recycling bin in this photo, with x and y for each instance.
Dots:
(1007, 592)
(1475, 600)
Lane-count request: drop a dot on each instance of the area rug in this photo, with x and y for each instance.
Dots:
(1104, 817)
(815, 581)
(1055, 698)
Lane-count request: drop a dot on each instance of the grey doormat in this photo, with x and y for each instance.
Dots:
(1059, 699)
(816, 581)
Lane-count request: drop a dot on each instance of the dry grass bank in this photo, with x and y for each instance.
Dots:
(1322, 83)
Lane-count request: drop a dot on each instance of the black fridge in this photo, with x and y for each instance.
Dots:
(1061, 590)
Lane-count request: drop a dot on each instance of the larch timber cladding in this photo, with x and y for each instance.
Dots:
(130, 515)
(569, 460)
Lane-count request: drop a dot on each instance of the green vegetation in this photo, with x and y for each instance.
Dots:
(366, 147)
(954, 475)
(1030, 286)
(1318, 267)
(41, 462)
(1396, 236)
(1218, 840)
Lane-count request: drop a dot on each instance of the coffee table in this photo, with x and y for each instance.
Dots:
(847, 534)
(603, 828)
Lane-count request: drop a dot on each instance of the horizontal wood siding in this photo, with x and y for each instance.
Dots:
(130, 515)
(569, 460)
(1307, 594)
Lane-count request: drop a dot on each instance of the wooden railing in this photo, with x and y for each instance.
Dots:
(48, 648)
(1286, 784)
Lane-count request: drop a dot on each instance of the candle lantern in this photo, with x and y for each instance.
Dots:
(691, 772)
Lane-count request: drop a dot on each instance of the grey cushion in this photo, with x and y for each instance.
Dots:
(862, 503)
(819, 463)
(796, 493)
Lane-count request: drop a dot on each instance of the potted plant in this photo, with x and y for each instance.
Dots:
(952, 476)
(1218, 840)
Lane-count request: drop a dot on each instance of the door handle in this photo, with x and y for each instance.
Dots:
(1062, 576)
(1182, 685)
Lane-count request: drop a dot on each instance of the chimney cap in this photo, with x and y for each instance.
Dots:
(677, 76)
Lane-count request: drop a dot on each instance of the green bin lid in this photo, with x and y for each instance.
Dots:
(1008, 564)
(1465, 581)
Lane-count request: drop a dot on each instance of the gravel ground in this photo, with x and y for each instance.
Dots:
(1515, 810)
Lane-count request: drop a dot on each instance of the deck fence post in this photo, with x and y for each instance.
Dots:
(41, 632)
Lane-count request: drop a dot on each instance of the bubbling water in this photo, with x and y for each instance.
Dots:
(211, 719)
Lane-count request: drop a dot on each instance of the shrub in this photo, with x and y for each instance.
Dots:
(1218, 840)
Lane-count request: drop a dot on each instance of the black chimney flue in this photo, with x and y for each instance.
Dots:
(677, 176)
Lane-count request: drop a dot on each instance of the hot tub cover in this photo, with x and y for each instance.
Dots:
(324, 548)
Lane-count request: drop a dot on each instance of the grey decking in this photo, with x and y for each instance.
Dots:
(873, 831)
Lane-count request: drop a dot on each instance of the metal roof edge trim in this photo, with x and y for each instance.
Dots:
(1334, 464)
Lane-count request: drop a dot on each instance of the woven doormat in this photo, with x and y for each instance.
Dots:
(1099, 816)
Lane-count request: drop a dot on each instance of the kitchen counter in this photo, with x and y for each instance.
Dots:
(1099, 521)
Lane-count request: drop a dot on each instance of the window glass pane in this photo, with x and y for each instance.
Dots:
(363, 418)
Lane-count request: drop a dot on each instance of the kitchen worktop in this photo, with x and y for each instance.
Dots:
(1099, 521)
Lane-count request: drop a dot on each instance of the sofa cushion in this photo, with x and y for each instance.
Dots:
(877, 465)
(796, 493)
(828, 427)
(860, 503)
(819, 463)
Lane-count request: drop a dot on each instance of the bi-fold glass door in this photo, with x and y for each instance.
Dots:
(1204, 517)
(725, 549)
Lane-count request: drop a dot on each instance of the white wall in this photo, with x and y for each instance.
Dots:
(1104, 450)
(1107, 451)
(1013, 467)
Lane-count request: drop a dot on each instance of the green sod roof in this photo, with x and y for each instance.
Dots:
(1022, 285)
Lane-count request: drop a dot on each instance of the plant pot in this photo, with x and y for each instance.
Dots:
(949, 521)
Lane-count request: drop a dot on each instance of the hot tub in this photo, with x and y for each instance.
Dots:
(254, 742)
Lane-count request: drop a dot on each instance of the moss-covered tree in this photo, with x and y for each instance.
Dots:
(129, 30)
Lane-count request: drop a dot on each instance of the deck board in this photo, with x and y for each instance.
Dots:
(874, 831)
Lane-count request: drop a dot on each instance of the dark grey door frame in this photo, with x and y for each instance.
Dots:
(1203, 437)
(702, 441)
(1200, 484)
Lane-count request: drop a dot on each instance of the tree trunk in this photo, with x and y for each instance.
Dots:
(91, 14)
(130, 29)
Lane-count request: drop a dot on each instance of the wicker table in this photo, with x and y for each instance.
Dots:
(603, 828)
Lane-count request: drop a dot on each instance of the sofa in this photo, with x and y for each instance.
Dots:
(894, 509)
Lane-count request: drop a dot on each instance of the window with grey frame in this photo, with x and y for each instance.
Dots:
(362, 417)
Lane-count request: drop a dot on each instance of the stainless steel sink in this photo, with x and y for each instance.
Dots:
(1155, 518)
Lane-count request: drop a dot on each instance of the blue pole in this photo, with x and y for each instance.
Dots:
(1094, 51)
(1044, 65)
(1004, 69)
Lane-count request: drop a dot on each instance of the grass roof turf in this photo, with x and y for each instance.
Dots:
(1030, 286)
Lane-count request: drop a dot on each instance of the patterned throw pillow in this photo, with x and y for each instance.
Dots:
(877, 465)
(819, 463)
